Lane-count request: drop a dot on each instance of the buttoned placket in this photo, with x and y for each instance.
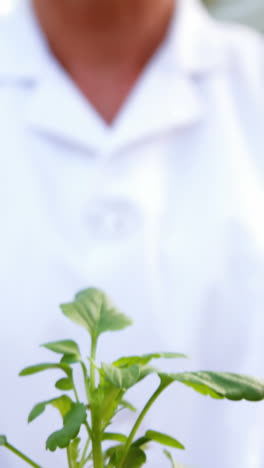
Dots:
(113, 216)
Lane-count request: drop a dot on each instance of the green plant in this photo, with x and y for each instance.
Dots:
(105, 388)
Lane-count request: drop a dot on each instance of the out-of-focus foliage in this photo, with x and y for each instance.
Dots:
(249, 12)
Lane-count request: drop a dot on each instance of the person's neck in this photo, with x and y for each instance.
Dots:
(112, 37)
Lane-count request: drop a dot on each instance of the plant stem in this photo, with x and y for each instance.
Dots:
(98, 461)
(85, 378)
(22, 456)
(82, 462)
(88, 459)
(89, 431)
(69, 458)
(92, 366)
(75, 392)
(139, 420)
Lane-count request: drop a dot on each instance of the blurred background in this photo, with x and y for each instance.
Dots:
(250, 12)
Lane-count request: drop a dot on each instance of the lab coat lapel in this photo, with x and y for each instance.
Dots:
(58, 109)
(55, 107)
(163, 102)
(168, 96)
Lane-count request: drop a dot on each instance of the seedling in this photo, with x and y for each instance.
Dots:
(106, 387)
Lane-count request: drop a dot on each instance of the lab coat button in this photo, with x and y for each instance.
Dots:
(113, 219)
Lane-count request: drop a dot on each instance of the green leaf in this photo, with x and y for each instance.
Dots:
(219, 384)
(37, 411)
(141, 441)
(93, 310)
(64, 384)
(147, 370)
(105, 401)
(164, 439)
(115, 454)
(71, 426)
(68, 347)
(126, 377)
(3, 440)
(135, 458)
(169, 456)
(173, 462)
(115, 436)
(122, 378)
(145, 359)
(62, 403)
(70, 359)
(124, 404)
(45, 366)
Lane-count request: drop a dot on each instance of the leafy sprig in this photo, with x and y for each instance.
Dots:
(106, 386)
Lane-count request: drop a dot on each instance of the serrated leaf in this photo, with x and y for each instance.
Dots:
(126, 377)
(115, 436)
(219, 384)
(105, 399)
(71, 426)
(146, 358)
(64, 384)
(62, 403)
(3, 440)
(145, 371)
(45, 366)
(122, 378)
(135, 458)
(164, 439)
(68, 347)
(93, 310)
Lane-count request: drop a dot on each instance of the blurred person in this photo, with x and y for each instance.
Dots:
(132, 160)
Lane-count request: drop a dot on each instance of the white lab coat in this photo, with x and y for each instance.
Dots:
(164, 211)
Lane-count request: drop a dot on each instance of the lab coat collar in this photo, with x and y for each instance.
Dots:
(23, 48)
(199, 43)
(192, 47)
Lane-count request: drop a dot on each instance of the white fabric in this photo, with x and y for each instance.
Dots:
(163, 210)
